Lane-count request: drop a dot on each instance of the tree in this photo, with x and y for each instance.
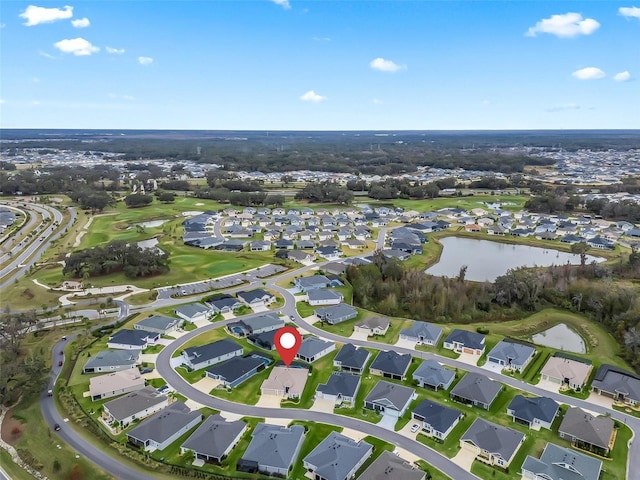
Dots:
(580, 249)
(138, 200)
(166, 197)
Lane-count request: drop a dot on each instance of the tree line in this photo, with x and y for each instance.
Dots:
(391, 288)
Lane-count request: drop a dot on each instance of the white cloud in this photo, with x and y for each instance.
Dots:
(2, 101)
(81, 23)
(564, 108)
(629, 12)
(622, 76)
(565, 26)
(383, 65)
(115, 96)
(283, 3)
(114, 51)
(76, 46)
(46, 55)
(145, 60)
(313, 97)
(37, 15)
(589, 73)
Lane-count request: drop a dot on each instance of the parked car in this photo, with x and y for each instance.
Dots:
(163, 389)
(64, 338)
(56, 427)
(146, 370)
(50, 393)
(60, 363)
(61, 352)
(414, 428)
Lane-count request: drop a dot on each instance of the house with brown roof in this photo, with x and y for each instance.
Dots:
(285, 382)
(565, 371)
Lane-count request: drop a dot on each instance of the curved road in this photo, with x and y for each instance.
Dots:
(113, 466)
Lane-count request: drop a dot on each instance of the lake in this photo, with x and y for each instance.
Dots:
(562, 338)
(488, 260)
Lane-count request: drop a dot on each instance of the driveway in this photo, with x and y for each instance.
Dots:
(492, 367)
(549, 386)
(149, 357)
(322, 405)
(468, 358)
(388, 422)
(359, 336)
(206, 384)
(260, 309)
(464, 459)
(600, 400)
(406, 344)
(406, 430)
(269, 401)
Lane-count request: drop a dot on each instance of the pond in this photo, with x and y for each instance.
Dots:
(486, 260)
(152, 223)
(561, 337)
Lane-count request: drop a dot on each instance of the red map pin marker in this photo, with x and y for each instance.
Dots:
(287, 340)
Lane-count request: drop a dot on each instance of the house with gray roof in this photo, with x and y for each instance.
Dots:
(372, 326)
(351, 359)
(391, 364)
(559, 463)
(336, 313)
(511, 355)
(618, 384)
(272, 449)
(477, 390)
(314, 282)
(341, 387)
(224, 304)
(322, 296)
(132, 339)
(432, 374)
(534, 412)
(390, 398)
(583, 430)
(492, 443)
(435, 419)
(165, 427)
(313, 348)
(388, 466)
(236, 370)
(256, 298)
(265, 340)
(337, 457)
(206, 355)
(192, 312)
(464, 341)
(255, 325)
(423, 333)
(112, 361)
(159, 324)
(134, 406)
(213, 440)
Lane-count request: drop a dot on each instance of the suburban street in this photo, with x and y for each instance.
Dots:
(113, 465)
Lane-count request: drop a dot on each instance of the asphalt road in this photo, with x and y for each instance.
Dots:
(34, 250)
(113, 466)
(180, 385)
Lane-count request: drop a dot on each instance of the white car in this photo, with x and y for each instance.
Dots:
(415, 427)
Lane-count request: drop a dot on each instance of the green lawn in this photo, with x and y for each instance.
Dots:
(316, 432)
(321, 371)
(247, 392)
(346, 329)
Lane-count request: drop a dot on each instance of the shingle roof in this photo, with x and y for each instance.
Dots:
(337, 455)
(137, 338)
(526, 408)
(165, 423)
(312, 281)
(214, 436)
(468, 339)
(192, 309)
(273, 445)
(212, 350)
(613, 380)
(432, 373)
(158, 322)
(320, 294)
(336, 312)
(493, 438)
(389, 466)
(134, 402)
(340, 383)
(438, 416)
(253, 295)
(425, 329)
(584, 426)
(115, 358)
(234, 368)
(391, 362)
(559, 463)
(311, 346)
(511, 353)
(475, 386)
(352, 357)
(390, 395)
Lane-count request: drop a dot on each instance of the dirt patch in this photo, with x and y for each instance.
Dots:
(12, 429)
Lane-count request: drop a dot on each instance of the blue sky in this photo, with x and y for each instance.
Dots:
(320, 65)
